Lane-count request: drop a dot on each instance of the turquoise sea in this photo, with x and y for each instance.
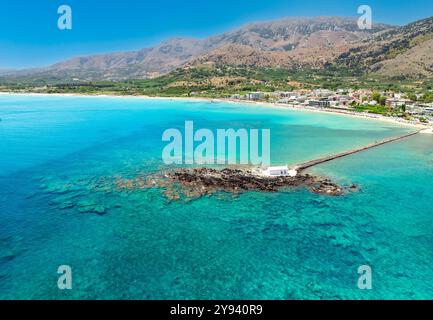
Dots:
(60, 158)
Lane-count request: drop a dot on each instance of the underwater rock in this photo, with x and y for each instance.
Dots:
(57, 187)
(326, 187)
(7, 257)
(86, 206)
(66, 205)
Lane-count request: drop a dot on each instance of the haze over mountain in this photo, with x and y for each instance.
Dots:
(289, 43)
(6, 70)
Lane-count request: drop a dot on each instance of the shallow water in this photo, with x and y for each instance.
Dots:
(59, 205)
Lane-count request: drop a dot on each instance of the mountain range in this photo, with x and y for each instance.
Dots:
(292, 43)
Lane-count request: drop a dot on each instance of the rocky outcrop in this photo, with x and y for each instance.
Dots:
(198, 182)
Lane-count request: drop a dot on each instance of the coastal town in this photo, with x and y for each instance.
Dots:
(399, 106)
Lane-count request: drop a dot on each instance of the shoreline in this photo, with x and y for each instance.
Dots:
(349, 113)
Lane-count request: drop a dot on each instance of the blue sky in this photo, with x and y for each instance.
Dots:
(29, 35)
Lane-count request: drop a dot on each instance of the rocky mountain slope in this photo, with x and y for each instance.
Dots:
(400, 52)
(285, 43)
(295, 43)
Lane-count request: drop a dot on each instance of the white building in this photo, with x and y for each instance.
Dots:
(284, 100)
(282, 171)
(396, 103)
(428, 111)
(414, 109)
(255, 96)
(399, 96)
(324, 93)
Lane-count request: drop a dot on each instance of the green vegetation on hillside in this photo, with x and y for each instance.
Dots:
(224, 81)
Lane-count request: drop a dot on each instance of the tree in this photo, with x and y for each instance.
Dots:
(412, 96)
(427, 97)
(376, 96)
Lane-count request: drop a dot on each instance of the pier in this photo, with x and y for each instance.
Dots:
(312, 163)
